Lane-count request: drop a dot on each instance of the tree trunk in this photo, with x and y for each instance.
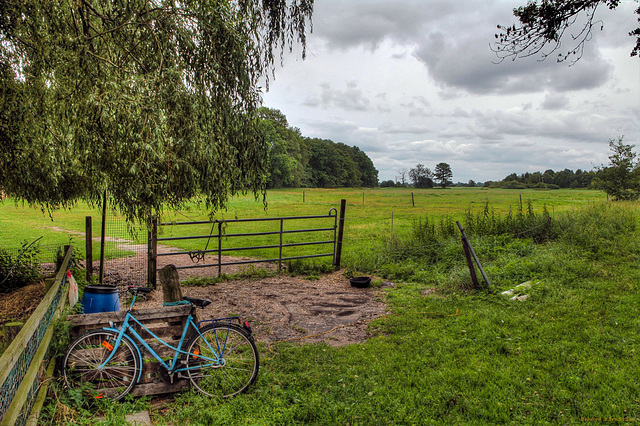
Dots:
(170, 283)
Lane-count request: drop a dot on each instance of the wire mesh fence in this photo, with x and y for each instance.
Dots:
(125, 252)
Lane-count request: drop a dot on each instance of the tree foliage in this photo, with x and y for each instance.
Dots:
(421, 176)
(154, 101)
(443, 174)
(544, 27)
(549, 179)
(621, 178)
(295, 161)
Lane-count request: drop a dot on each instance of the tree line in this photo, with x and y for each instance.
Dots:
(548, 179)
(421, 176)
(295, 161)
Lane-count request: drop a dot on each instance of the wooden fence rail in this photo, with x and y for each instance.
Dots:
(23, 378)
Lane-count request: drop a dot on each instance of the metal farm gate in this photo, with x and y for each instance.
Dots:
(218, 234)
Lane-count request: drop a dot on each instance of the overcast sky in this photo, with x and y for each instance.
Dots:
(415, 82)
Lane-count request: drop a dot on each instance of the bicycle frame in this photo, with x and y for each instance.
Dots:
(127, 330)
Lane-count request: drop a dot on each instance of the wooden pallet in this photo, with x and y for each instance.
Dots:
(166, 322)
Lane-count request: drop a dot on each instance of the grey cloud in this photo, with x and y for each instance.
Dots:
(555, 102)
(465, 62)
(404, 129)
(349, 99)
(352, 23)
(565, 127)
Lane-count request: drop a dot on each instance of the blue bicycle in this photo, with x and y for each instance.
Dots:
(220, 359)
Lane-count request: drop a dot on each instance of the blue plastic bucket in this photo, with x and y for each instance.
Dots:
(100, 298)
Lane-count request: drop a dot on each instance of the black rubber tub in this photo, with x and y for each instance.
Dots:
(360, 282)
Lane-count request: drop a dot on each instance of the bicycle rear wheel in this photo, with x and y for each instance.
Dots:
(235, 360)
(87, 353)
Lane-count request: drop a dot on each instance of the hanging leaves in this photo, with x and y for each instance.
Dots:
(154, 100)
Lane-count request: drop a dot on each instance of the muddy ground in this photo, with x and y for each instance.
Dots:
(279, 308)
(283, 308)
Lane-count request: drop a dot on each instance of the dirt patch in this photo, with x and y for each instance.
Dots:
(279, 308)
(284, 308)
(20, 304)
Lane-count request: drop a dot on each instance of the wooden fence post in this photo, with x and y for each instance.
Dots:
(89, 247)
(468, 248)
(103, 236)
(170, 282)
(343, 206)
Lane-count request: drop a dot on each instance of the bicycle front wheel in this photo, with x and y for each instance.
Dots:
(222, 361)
(85, 356)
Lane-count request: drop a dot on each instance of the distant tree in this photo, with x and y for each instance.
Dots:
(621, 178)
(421, 176)
(368, 172)
(471, 183)
(387, 184)
(296, 161)
(543, 29)
(443, 174)
(403, 175)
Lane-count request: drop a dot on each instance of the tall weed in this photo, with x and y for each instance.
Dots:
(509, 245)
(18, 270)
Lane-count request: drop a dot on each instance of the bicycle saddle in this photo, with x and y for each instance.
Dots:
(200, 303)
(133, 289)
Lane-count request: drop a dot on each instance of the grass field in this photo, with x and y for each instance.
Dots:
(368, 215)
(447, 354)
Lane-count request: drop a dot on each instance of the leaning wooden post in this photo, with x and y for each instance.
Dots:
(469, 250)
(89, 247)
(413, 202)
(472, 269)
(170, 282)
(343, 206)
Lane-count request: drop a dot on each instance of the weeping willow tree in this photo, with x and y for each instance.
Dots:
(560, 26)
(154, 101)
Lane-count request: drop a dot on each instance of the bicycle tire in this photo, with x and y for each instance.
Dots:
(239, 363)
(88, 352)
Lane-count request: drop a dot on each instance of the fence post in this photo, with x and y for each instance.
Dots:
(413, 202)
(520, 203)
(219, 248)
(391, 227)
(343, 206)
(152, 251)
(89, 247)
(103, 236)
(280, 252)
(468, 250)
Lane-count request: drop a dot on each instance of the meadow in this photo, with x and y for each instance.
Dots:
(371, 214)
(447, 353)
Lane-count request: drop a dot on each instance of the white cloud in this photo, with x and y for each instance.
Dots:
(413, 81)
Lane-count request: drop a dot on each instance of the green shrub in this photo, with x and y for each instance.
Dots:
(20, 269)
(598, 228)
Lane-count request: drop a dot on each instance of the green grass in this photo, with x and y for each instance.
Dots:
(364, 222)
(456, 356)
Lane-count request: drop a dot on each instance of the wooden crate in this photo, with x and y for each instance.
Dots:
(166, 323)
